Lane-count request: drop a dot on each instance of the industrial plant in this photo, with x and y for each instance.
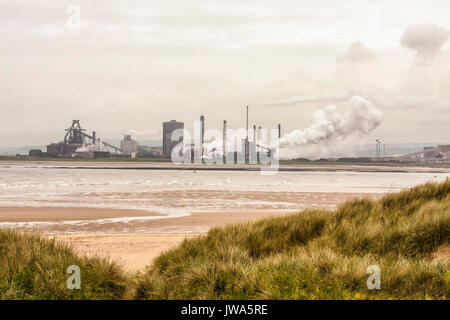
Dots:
(440, 153)
(249, 151)
(77, 143)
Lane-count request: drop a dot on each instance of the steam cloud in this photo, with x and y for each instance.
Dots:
(426, 39)
(417, 88)
(355, 55)
(328, 96)
(332, 134)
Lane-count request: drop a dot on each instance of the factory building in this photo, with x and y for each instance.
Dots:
(430, 153)
(77, 143)
(62, 149)
(155, 152)
(128, 145)
(441, 153)
(132, 148)
(168, 144)
(35, 153)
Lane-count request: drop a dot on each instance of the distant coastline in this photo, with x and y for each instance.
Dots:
(285, 166)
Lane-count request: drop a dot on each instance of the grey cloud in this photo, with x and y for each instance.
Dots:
(425, 39)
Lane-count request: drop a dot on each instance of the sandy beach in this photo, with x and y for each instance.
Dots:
(133, 251)
(136, 251)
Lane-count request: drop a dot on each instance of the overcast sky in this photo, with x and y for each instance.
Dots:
(133, 64)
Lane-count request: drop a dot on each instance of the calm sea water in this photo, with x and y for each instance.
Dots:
(176, 193)
(171, 191)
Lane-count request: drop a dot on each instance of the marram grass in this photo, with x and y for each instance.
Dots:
(315, 254)
(33, 267)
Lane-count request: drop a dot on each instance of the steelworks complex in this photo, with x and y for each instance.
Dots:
(79, 144)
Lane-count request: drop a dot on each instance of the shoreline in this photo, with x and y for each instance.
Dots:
(78, 219)
(144, 165)
(112, 221)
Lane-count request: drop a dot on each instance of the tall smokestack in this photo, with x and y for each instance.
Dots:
(246, 140)
(254, 133)
(202, 133)
(376, 148)
(224, 135)
(259, 134)
(279, 131)
(93, 137)
(246, 127)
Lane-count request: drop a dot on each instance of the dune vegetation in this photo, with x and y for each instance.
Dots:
(34, 267)
(315, 254)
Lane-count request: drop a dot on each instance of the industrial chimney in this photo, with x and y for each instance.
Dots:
(202, 133)
(246, 146)
(224, 136)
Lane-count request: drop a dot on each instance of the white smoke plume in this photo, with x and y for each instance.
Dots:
(332, 134)
(334, 96)
(426, 39)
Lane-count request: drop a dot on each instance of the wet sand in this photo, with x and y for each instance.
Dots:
(26, 214)
(196, 222)
(103, 220)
